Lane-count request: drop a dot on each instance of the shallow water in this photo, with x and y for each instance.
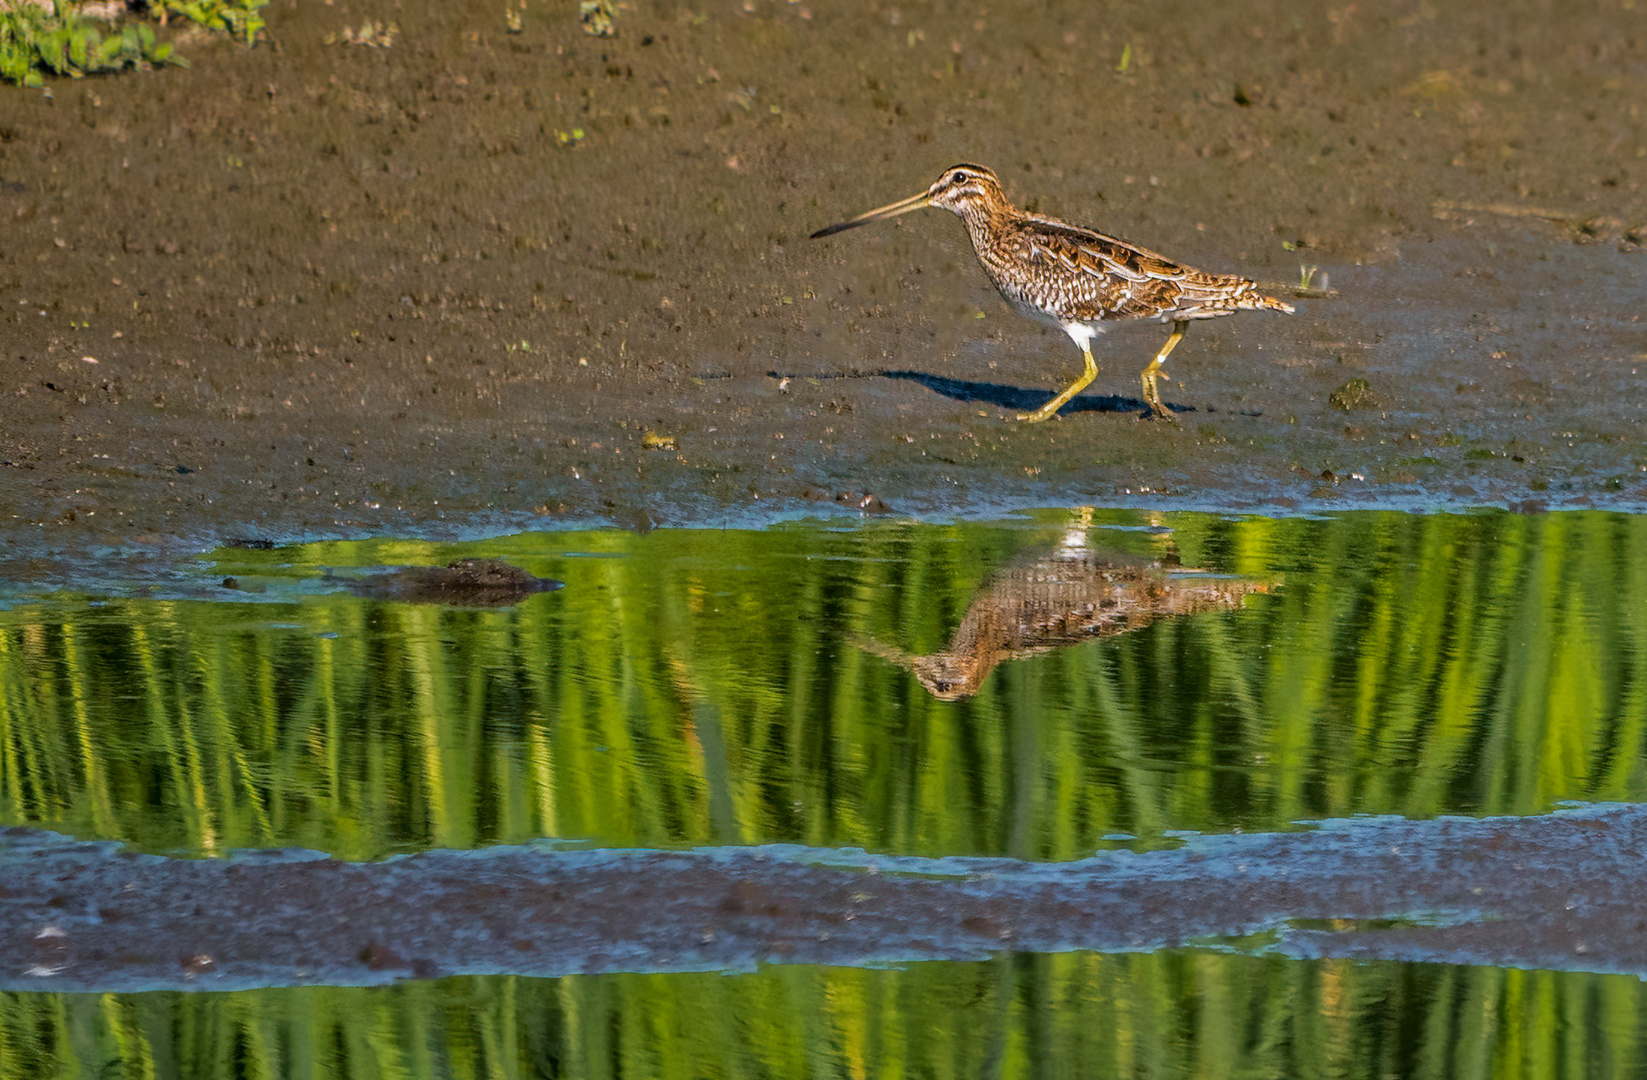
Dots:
(1039, 688)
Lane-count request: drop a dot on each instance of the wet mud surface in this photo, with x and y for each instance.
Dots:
(1562, 892)
(463, 280)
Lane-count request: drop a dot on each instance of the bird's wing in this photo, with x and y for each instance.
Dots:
(1139, 282)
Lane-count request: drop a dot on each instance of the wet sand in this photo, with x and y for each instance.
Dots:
(478, 280)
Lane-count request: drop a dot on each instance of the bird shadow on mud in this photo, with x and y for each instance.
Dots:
(1017, 398)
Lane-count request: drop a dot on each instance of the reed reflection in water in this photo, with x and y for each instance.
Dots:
(1169, 1014)
(691, 688)
(697, 687)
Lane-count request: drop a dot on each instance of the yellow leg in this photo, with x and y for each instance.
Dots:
(1153, 372)
(1046, 411)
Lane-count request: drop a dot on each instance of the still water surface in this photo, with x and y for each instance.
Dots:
(1041, 688)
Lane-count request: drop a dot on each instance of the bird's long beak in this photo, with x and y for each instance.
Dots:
(902, 206)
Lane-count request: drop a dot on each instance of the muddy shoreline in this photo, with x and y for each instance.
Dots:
(478, 281)
(1457, 890)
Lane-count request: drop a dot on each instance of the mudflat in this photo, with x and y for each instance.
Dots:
(410, 269)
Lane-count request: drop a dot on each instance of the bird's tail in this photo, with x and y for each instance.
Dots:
(1206, 296)
(1257, 301)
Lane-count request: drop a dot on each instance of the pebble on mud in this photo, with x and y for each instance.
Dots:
(1355, 394)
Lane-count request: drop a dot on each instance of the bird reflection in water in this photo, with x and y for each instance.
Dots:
(1063, 597)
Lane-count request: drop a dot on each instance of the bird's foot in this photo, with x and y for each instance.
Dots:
(1037, 416)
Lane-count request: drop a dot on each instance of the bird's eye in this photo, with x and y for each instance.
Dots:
(957, 177)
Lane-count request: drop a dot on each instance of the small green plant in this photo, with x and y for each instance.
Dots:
(38, 38)
(372, 33)
(35, 40)
(240, 19)
(599, 18)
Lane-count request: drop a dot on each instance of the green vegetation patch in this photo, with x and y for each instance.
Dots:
(240, 19)
(39, 39)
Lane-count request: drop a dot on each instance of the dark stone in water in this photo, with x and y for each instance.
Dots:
(463, 583)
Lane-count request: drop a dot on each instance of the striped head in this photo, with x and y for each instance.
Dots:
(967, 190)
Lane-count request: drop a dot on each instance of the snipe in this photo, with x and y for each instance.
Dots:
(1074, 278)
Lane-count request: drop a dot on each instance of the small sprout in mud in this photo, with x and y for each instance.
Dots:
(372, 33)
(569, 138)
(1355, 394)
(653, 441)
(512, 20)
(1306, 274)
(520, 346)
(599, 18)
(1126, 59)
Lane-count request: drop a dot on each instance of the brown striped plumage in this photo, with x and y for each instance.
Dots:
(1075, 278)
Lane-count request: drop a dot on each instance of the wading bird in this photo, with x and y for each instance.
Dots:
(1074, 278)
